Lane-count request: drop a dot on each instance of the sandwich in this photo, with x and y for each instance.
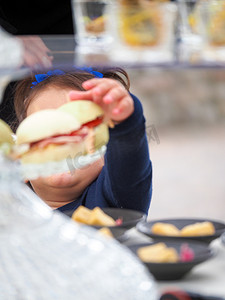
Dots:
(49, 135)
(90, 115)
(6, 138)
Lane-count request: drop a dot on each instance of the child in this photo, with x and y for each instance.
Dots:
(124, 178)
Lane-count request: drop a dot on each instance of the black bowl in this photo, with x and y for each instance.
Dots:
(129, 217)
(120, 234)
(176, 271)
(145, 227)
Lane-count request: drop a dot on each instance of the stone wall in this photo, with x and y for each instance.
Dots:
(173, 97)
(185, 112)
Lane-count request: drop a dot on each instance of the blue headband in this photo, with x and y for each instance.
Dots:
(41, 77)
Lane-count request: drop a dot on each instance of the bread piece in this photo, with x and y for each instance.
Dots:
(106, 232)
(165, 229)
(94, 217)
(81, 214)
(53, 152)
(99, 218)
(158, 253)
(198, 229)
(44, 124)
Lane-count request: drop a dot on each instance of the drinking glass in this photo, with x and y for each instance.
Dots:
(144, 31)
(212, 29)
(190, 37)
(92, 24)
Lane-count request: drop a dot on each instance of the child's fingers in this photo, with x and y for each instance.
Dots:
(123, 109)
(99, 91)
(90, 83)
(109, 94)
(80, 95)
(114, 94)
(107, 90)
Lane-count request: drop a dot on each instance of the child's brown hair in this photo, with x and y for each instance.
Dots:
(25, 91)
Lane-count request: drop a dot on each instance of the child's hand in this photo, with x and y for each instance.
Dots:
(110, 95)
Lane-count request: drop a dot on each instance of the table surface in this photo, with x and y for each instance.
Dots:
(207, 278)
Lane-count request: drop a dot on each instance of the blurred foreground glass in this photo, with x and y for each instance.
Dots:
(92, 23)
(144, 31)
(45, 255)
(212, 28)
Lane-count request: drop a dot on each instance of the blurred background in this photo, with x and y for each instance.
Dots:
(185, 120)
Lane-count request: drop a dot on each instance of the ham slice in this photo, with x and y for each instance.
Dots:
(74, 137)
(60, 140)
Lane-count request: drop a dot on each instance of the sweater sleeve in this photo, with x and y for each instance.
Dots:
(128, 169)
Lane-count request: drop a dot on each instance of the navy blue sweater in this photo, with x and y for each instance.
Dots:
(126, 178)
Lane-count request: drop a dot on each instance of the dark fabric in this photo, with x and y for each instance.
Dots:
(126, 178)
(43, 17)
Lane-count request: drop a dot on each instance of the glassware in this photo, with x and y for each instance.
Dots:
(92, 23)
(190, 39)
(145, 31)
(212, 29)
(46, 255)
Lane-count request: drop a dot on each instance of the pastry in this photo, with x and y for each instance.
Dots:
(165, 229)
(198, 229)
(158, 253)
(106, 232)
(94, 217)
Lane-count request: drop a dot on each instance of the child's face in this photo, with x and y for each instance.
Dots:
(49, 98)
(66, 183)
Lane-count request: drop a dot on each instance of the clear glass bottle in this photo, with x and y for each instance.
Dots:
(45, 255)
